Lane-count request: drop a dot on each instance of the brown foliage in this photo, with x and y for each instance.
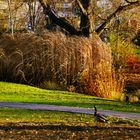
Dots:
(32, 59)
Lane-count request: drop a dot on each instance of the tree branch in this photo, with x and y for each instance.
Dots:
(58, 21)
(117, 11)
(131, 1)
(81, 7)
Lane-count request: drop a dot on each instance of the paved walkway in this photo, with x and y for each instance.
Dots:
(135, 116)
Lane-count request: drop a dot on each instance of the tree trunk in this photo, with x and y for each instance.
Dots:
(87, 19)
(32, 14)
(10, 19)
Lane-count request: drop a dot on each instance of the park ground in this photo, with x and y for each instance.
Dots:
(54, 125)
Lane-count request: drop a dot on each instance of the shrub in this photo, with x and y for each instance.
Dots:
(56, 58)
(108, 79)
(120, 49)
(34, 59)
(94, 80)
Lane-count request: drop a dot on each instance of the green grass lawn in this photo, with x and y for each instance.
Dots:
(27, 116)
(22, 93)
(49, 117)
(33, 124)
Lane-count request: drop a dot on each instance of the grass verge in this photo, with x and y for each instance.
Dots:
(36, 116)
(26, 116)
(22, 93)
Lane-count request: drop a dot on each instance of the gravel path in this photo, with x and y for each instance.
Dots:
(135, 116)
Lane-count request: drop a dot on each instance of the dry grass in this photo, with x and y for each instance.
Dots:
(64, 61)
(111, 84)
(34, 59)
(107, 83)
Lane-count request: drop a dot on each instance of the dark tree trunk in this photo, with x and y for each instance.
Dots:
(87, 19)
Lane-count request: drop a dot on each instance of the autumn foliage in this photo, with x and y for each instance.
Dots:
(34, 59)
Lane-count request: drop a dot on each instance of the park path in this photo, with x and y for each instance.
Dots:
(126, 115)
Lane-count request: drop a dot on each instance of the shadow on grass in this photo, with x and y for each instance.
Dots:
(99, 126)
